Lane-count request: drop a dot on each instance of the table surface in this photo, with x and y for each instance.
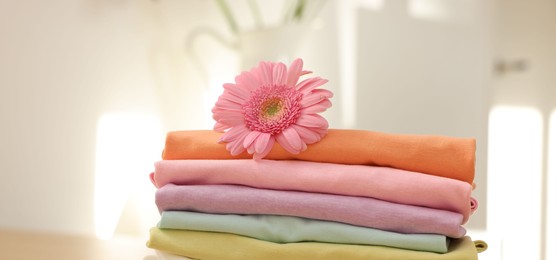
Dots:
(24, 245)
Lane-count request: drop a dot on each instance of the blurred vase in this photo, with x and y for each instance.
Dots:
(281, 43)
(277, 43)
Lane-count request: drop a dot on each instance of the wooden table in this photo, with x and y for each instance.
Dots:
(26, 245)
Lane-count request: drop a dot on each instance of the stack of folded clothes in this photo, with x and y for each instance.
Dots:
(284, 186)
(353, 195)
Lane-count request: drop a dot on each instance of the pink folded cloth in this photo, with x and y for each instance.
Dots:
(382, 183)
(359, 211)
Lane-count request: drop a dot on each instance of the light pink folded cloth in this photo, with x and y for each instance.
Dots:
(359, 211)
(382, 183)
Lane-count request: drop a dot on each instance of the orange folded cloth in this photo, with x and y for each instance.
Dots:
(444, 156)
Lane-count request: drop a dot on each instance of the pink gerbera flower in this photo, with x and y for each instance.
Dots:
(268, 105)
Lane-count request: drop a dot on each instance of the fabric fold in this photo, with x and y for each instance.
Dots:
(443, 156)
(360, 211)
(285, 229)
(382, 183)
(214, 245)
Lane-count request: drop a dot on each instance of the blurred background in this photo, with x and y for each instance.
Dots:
(89, 88)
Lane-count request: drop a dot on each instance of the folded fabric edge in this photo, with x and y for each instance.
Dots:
(176, 220)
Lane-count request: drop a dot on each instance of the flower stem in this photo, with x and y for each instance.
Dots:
(256, 13)
(299, 9)
(295, 11)
(228, 15)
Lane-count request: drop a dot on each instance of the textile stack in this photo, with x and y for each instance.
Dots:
(353, 195)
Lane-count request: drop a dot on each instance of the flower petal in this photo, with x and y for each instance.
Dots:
(315, 97)
(267, 149)
(250, 138)
(321, 131)
(294, 72)
(304, 146)
(231, 121)
(266, 73)
(292, 137)
(261, 142)
(310, 84)
(228, 116)
(237, 90)
(226, 103)
(236, 147)
(248, 80)
(307, 135)
(279, 74)
(251, 150)
(323, 92)
(219, 112)
(230, 98)
(233, 134)
(281, 139)
(317, 108)
(219, 127)
(312, 120)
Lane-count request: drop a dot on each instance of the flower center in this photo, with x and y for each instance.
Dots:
(271, 109)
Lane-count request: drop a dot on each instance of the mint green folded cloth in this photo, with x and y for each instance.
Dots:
(287, 229)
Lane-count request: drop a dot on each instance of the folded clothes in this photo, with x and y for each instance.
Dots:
(224, 246)
(449, 157)
(382, 183)
(285, 229)
(360, 211)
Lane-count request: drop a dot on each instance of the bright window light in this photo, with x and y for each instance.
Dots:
(127, 147)
(347, 23)
(551, 193)
(375, 5)
(428, 9)
(514, 180)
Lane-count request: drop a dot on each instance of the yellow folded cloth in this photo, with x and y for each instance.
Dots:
(223, 246)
